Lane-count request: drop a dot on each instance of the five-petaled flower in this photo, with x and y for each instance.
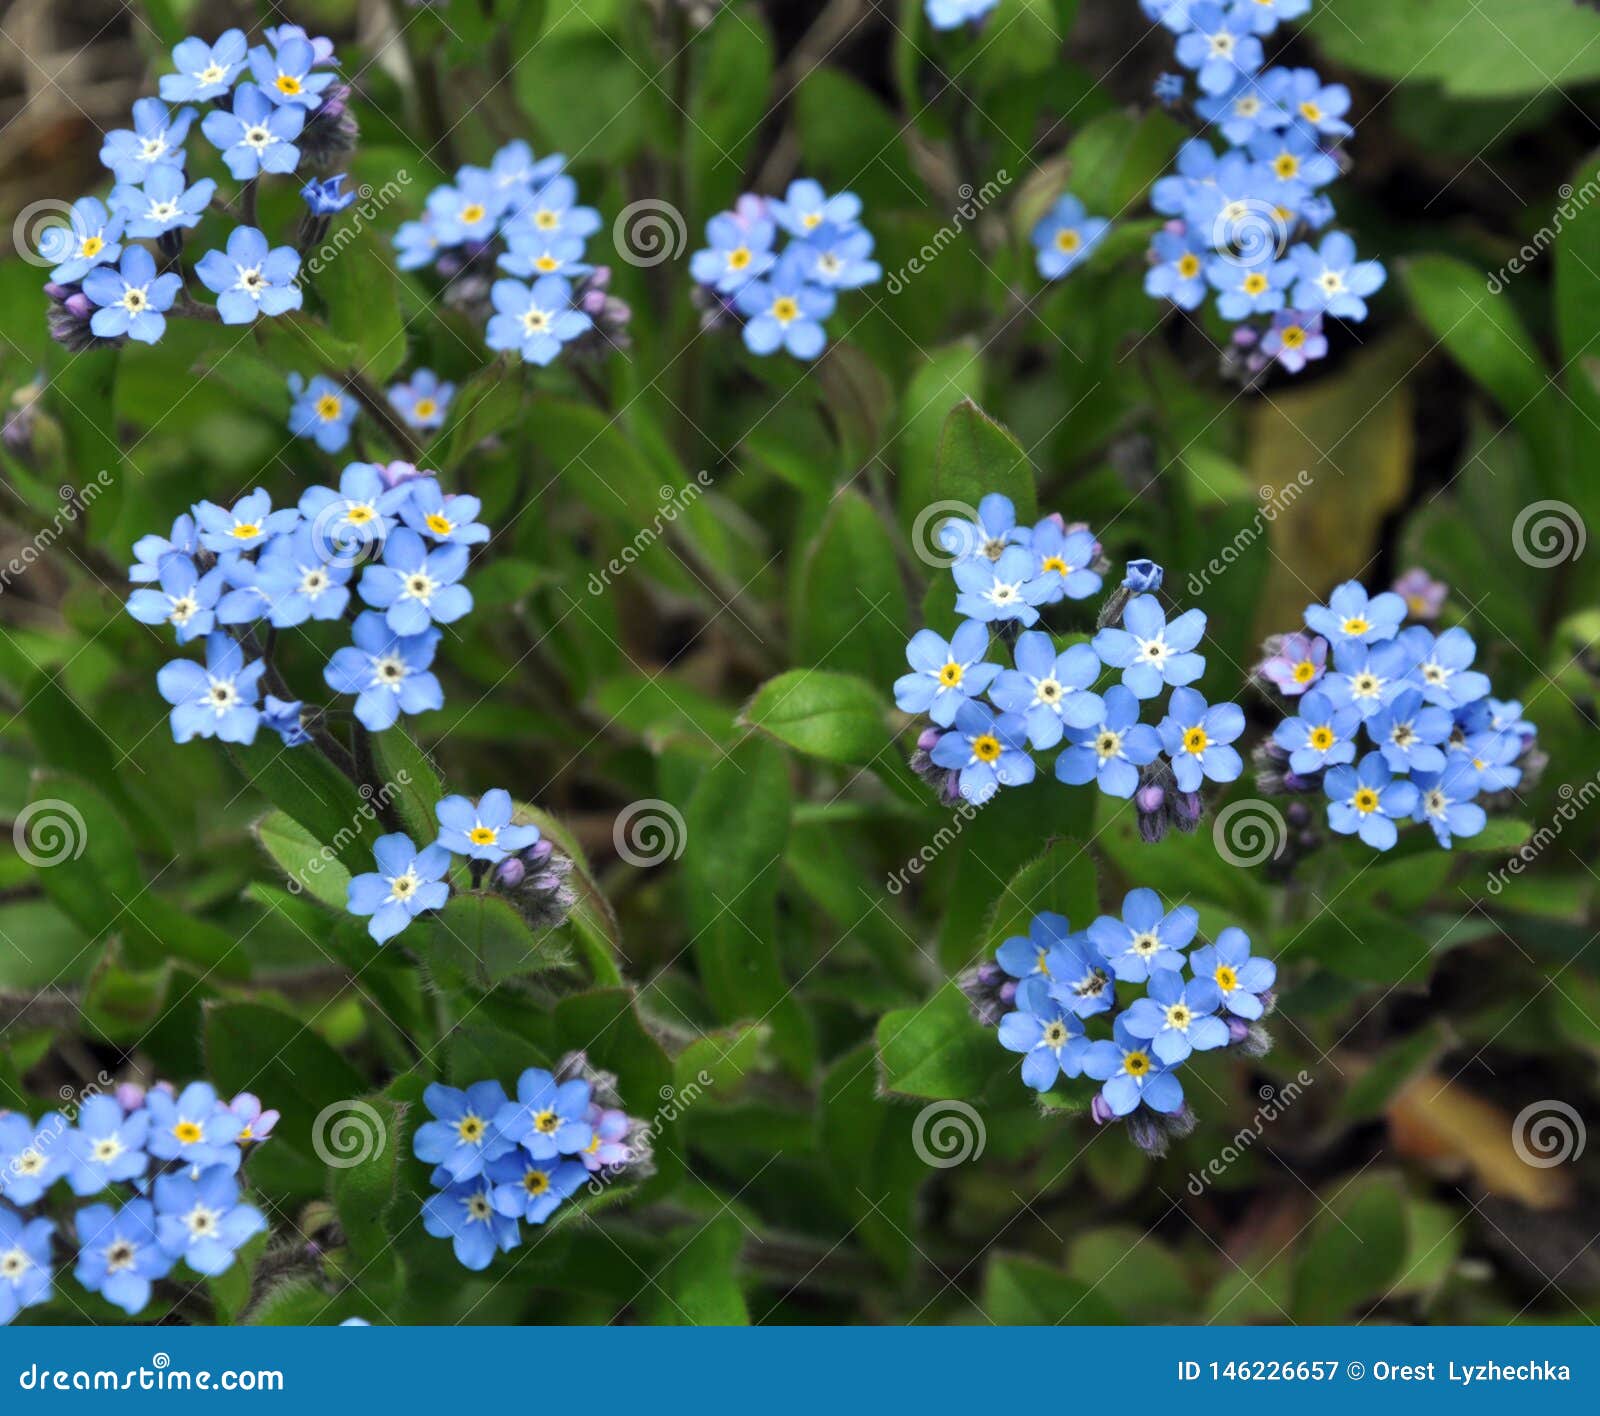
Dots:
(406, 882)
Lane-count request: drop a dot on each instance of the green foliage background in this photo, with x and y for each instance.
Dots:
(739, 672)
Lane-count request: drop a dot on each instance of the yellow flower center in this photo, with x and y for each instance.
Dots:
(472, 213)
(1321, 738)
(1292, 336)
(471, 1129)
(245, 531)
(1227, 979)
(360, 513)
(328, 407)
(1285, 164)
(547, 263)
(482, 835)
(1188, 265)
(1311, 112)
(986, 748)
(950, 675)
(1054, 563)
(546, 1123)
(1365, 801)
(425, 407)
(91, 246)
(1356, 625)
(546, 220)
(1068, 241)
(187, 1132)
(288, 84)
(439, 525)
(1254, 283)
(738, 258)
(1305, 671)
(1195, 741)
(536, 1182)
(1136, 1064)
(784, 309)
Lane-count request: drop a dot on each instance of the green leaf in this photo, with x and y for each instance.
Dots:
(1026, 1293)
(850, 603)
(357, 282)
(723, 1059)
(364, 1177)
(700, 1286)
(951, 376)
(976, 457)
(1061, 880)
(407, 781)
(938, 1051)
(1353, 1253)
(311, 790)
(837, 717)
(310, 866)
(592, 918)
(479, 940)
(735, 827)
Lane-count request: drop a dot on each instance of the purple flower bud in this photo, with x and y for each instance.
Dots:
(539, 852)
(1187, 809)
(509, 873)
(990, 975)
(928, 739)
(130, 1096)
(1008, 992)
(1100, 1110)
(1238, 1030)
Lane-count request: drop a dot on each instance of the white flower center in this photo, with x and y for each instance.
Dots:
(213, 73)
(1222, 44)
(1107, 744)
(535, 320)
(134, 298)
(1048, 692)
(403, 887)
(1153, 651)
(1146, 944)
(258, 137)
(184, 608)
(107, 1149)
(120, 1255)
(1331, 282)
(420, 586)
(161, 211)
(221, 696)
(388, 672)
(251, 281)
(14, 1263)
(152, 148)
(202, 1222)
(314, 581)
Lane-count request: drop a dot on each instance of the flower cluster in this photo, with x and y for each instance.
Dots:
(783, 297)
(1233, 218)
(525, 867)
(1051, 695)
(1045, 990)
(520, 216)
(270, 108)
(224, 572)
(165, 1165)
(1435, 739)
(498, 1162)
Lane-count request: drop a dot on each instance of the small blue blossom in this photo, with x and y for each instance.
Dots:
(119, 1256)
(428, 511)
(417, 242)
(952, 14)
(1131, 1075)
(1168, 89)
(1496, 715)
(740, 249)
(204, 70)
(1353, 617)
(1322, 735)
(945, 675)
(548, 1118)
(1064, 237)
(462, 1137)
(482, 830)
(1050, 690)
(1066, 556)
(90, 238)
(286, 718)
(1150, 651)
(1409, 735)
(388, 673)
(1078, 979)
(535, 321)
(256, 136)
(553, 210)
(533, 1190)
(249, 523)
(839, 257)
(1142, 576)
(217, 701)
(1366, 677)
(1363, 800)
(1296, 162)
(348, 524)
(1332, 280)
(417, 587)
(468, 210)
(1178, 271)
(165, 203)
(249, 278)
(326, 197)
(987, 534)
(1197, 738)
(1007, 588)
(989, 752)
(1112, 751)
(298, 582)
(1246, 288)
(286, 76)
(1320, 107)
(465, 1214)
(406, 882)
(187, 600)
(32, 1158)
(1146, 937)
(200, 1219)
(1219, 46)
(1443, 666)
(132, 297)
(1196, 168)
(322, 411)
(149, 550)
(24, 1262)
(106, 1145)
(422, 400)
(156, 139)
(784, 310)
(806, 206)
(1042, 952)
(1246, 110)
(1295, 339)
(193, 1128)
(1050, 1037)
(533, 253)
(1445, 801)
(516, 170)
(1239, 978)
(1493, 757)
(1266, 15)
(1177, 1018)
